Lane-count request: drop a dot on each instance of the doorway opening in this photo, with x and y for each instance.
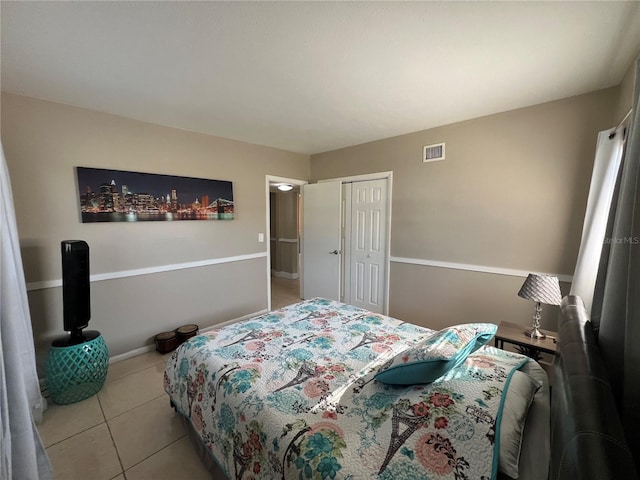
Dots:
(283, 240)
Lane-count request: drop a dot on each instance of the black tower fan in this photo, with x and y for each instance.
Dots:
(77, 364)
(76, 295)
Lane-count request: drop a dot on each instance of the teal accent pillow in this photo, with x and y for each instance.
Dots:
(436, 355)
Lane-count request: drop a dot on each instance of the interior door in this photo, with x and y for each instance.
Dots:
(368, 244)
(321, 255)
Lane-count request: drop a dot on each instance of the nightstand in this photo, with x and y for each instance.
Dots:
(514, 334)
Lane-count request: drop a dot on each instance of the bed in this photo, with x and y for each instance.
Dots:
(321, 389)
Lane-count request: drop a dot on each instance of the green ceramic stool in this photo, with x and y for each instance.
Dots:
(76, 369)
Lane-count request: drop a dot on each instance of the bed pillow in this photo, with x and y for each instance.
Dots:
(520, 392)
(436, 355)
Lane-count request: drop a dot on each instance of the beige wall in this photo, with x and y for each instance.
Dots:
(44, 141)
(511, 194)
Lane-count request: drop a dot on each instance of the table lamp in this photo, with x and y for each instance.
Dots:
(540, 289)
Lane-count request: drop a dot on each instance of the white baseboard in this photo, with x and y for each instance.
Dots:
(131, 353)
(150, 348)
(288, 275)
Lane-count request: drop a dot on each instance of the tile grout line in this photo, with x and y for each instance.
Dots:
(158, 451)
(162, 360)
(50, 402)
(75, 434)
(137, 406)
(113, 442)
(124, 471)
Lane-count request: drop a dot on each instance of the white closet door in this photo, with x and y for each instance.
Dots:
(368, 244)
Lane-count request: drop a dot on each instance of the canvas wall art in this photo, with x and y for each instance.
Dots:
(120, 196)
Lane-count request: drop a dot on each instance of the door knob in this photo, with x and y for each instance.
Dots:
(335, 252)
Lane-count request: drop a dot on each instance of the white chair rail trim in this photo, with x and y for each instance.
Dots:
(288, 240)
(475, 268)
(149, 270)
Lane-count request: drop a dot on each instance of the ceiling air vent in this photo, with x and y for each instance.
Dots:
(433, 153)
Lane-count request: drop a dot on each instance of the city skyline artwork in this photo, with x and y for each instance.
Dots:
(107, 195)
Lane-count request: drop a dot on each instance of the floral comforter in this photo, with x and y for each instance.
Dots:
(291, 394)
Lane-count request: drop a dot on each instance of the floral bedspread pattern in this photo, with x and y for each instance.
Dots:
(291, 394)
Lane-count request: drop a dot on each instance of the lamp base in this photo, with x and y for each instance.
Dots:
(535, 334)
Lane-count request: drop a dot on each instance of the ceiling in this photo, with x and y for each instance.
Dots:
(310, 77)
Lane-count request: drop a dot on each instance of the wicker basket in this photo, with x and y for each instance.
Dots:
(166, 342)
(186, 332)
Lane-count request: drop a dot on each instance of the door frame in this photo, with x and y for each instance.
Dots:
(269, 179)
(377, 176)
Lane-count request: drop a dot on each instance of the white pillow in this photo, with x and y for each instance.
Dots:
(521, 390)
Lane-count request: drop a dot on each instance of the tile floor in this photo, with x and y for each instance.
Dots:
(128, 431)
(284, 292)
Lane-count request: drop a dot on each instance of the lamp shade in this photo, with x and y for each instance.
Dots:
(541, 288)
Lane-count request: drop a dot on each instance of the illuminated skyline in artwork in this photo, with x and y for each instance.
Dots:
(116, 195)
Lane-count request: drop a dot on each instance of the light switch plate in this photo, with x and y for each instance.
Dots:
(260, 237)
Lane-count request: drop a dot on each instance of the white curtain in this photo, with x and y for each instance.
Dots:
(21, 404)
(603, 183)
